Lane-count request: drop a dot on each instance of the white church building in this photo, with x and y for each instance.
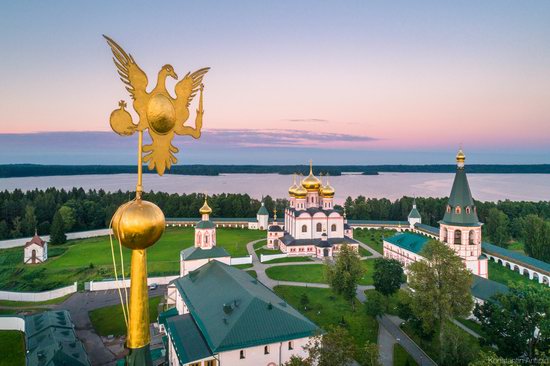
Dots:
(35, 250)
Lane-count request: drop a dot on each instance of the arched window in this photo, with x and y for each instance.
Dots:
(199, 237)
(457, 209)
(449, 209)
(333, 227)
(319, 227)
(304, 228)
(472, 237)
(458, 237)
(468, 210)
(205, 238)
(266, 350)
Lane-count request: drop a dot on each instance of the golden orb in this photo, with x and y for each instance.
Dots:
(138, 224)
(161, 114)
(460, 157)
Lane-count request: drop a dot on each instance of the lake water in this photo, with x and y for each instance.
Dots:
(485, 187)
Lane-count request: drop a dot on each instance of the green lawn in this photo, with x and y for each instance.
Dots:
(326, 309)
(252, 273)
(475, 326)
(290, 260)
(110, 320)
(401, 357)
(363, 252)
(313, 273)
(90, 259)
(13, 341)
(373, 237)
(504, 275)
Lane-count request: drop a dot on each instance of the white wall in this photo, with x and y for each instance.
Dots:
(38, 296)
(12, 323)
(241, 260)
(12, 243)
(255, 356)
(110, 285)
(268, 257)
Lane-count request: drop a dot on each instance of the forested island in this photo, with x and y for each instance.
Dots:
(37, 170)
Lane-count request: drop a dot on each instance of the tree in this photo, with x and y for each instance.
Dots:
(374, 304)
(370, 355)
(345, 274)
(4, 230)
(334, 348)
(441, 287)
(497, 226)
(57, 230)
(297, 361)
(16, 230)
(304, 300)
(387, 276)
(457, 349)
(536, 238)
(517, 322)
(68, 215)
(491, 359)
(29, 224)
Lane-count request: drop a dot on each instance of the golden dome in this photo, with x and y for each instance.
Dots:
(205, 209)
(327, 190)
(460, 157)
(293, 187)
(311, 182)
(300, 192)
(138, 224)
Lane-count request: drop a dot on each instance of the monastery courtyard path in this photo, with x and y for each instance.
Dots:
(389, 332)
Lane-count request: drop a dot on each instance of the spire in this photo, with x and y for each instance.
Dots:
(414, 214)
(274, 214)
(310, 167)
(461, 208)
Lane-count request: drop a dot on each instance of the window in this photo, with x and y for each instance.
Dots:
(319, 227)
(333, 227)
(304, 228)
(241, 354)
(468, 210)
(457, 209)
(195, 364)
(210, 363)
(290, 345)
(266, 350)
(449, 209)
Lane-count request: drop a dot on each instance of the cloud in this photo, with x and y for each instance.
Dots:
(313, 120)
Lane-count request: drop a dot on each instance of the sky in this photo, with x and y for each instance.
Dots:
(338, 81)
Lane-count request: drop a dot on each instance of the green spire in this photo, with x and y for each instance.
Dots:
(461, 210)
(414, 214)
(263, 210)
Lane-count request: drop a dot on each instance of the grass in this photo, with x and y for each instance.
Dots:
(501, 274)
(110, 320)
(90, 259)
(363, 252)
(473, 325)
(289, 260)
(373, 237)
(326, 310)
(314, 273)
(401, 357)
(31, 304)
(252, 273)
(14, 341)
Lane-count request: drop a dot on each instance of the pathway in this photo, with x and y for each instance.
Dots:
(466, 329)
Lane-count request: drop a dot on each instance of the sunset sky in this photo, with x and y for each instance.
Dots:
(325, 77)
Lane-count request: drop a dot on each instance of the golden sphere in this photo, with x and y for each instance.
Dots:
(138, 224)
(161, 114)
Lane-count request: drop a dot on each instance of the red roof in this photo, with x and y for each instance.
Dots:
(36, 240)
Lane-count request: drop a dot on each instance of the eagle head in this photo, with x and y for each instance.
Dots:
(170, 71)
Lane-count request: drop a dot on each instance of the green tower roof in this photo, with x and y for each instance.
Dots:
(414, 214)
(263, 210)
(461, 197)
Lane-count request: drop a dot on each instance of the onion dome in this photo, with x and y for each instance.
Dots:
(300, 192)
(327, 190)
(205, 209)
(311, 182)
(293, 187)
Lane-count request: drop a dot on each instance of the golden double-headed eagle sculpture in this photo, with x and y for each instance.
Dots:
(158, 111)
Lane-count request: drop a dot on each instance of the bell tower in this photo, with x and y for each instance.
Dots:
(460, 228)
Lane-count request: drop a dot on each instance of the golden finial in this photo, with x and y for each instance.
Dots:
(205, 209)
(460, 157)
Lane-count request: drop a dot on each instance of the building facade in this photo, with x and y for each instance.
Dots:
(35, 250)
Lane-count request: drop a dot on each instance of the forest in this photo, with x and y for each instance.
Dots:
(36, 170)
(21, 213)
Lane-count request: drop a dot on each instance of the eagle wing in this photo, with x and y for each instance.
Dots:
(129, 71)
(187, 88)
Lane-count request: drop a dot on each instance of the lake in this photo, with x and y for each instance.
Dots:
(485, 187)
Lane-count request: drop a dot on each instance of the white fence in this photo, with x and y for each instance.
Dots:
(268, 257)
(241, 260)
(12, 243)
(12, 323)
(110, 285)
(38, 296)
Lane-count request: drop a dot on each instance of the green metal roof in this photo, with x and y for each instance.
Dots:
(408, 241)
(263, 210)
(167, 314)
(205, 224)
(427, 228)
(199, 253)
(187, 339)
(516, 257)
(414, 214)
(50, 340)
(484, 289)
(234, 310)
(461, 196)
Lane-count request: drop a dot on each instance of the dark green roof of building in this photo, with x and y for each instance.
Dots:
(167, 314)
(205, 224)
(233, 310)
(408, 241)
(187, 338)
(263, 210)
(484, 289)
(461, 196)
(50, 340)
(199, 253)
(414, 214)
(516, 257)
(427, 228)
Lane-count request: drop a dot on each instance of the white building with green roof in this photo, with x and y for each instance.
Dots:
(226, 317)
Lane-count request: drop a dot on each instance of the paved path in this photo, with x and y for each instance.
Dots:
(79, 305)
(466, 329)
(389, 323)
(385, 346)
